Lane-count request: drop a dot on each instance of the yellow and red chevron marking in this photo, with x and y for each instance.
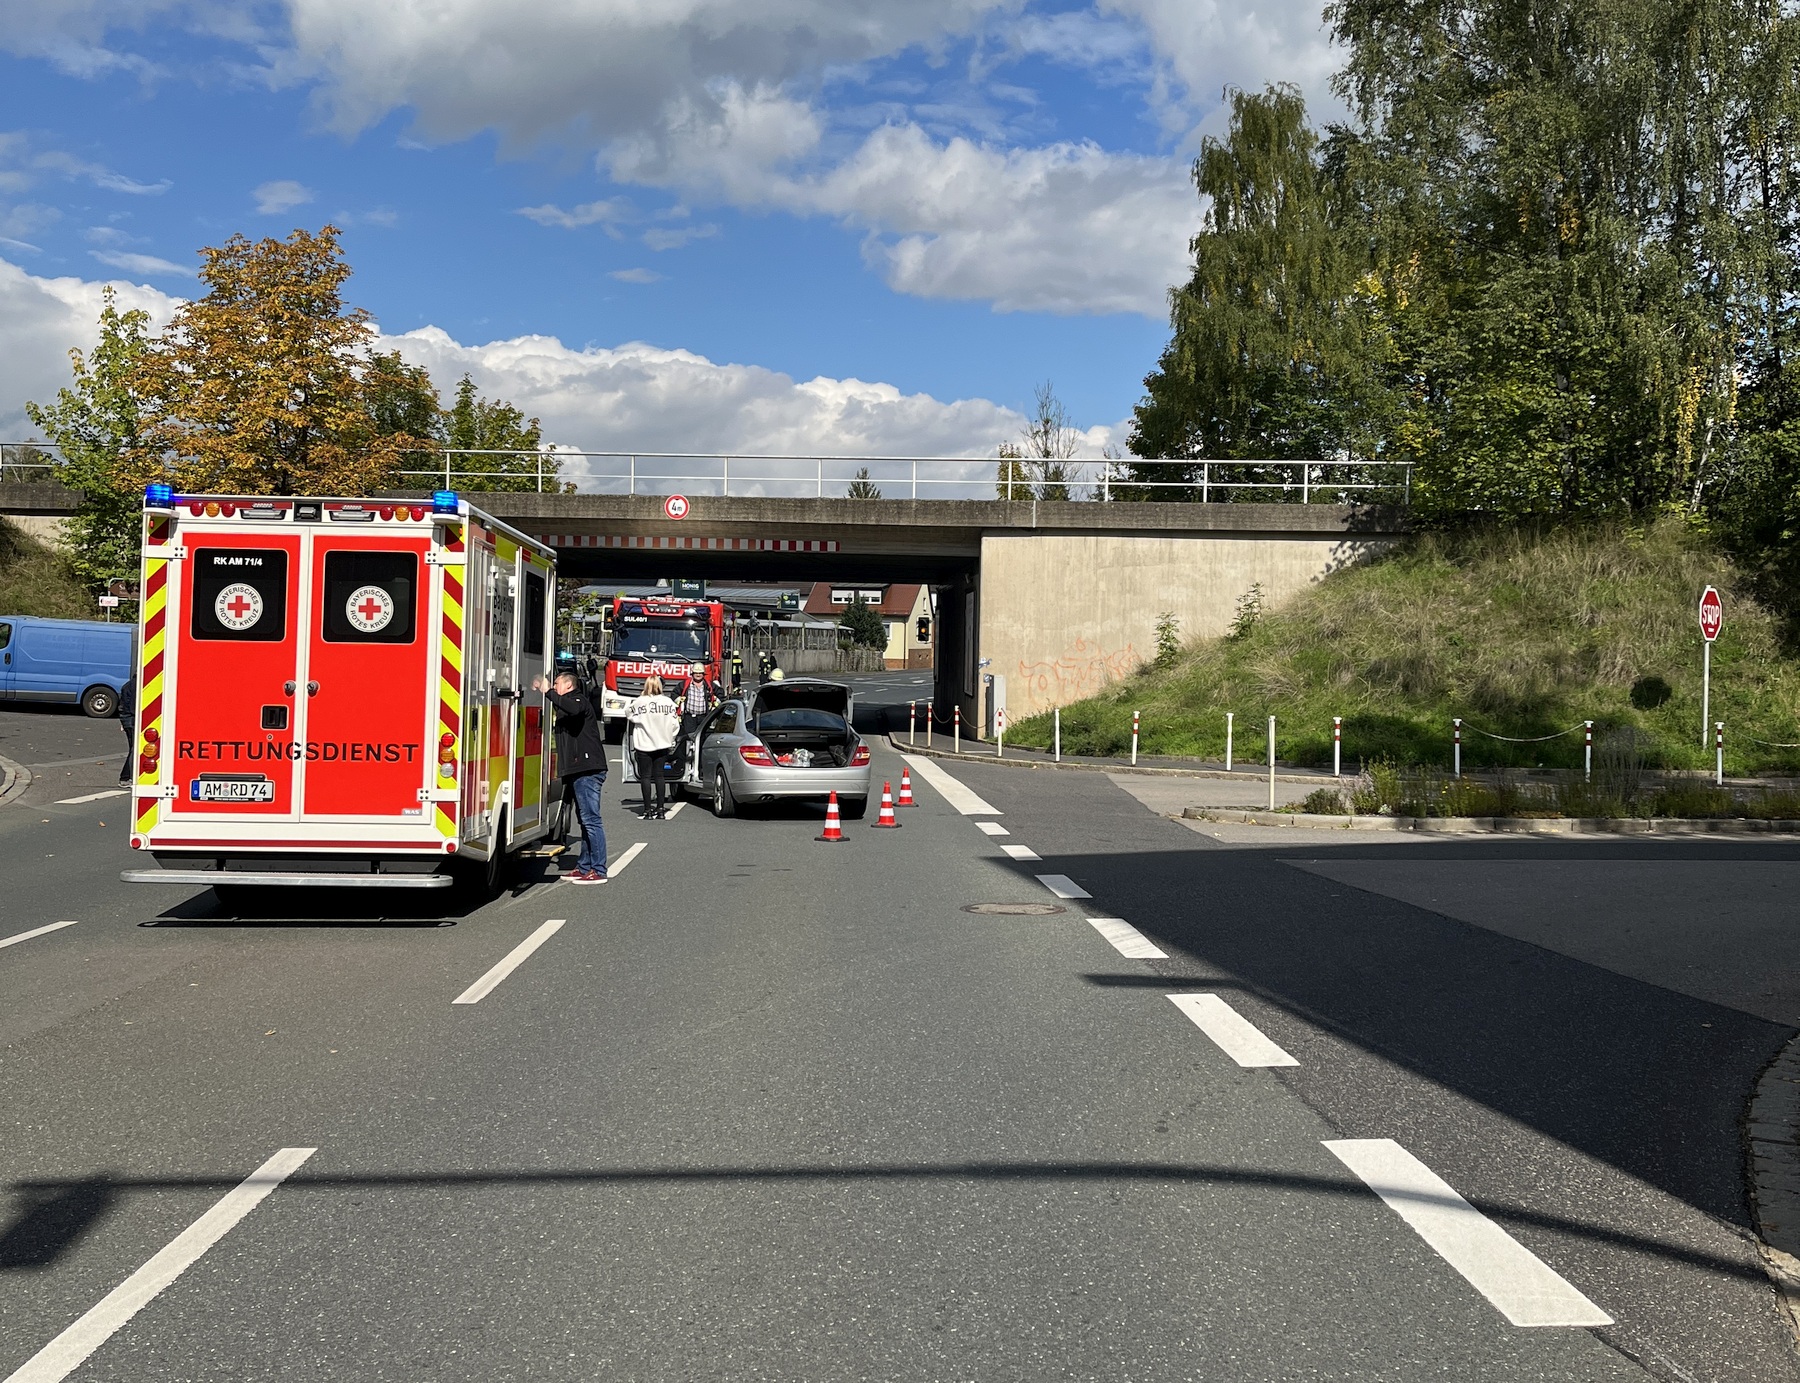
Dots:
(151, 653)
(450, 674)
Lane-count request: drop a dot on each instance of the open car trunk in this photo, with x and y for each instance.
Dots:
(804, 724)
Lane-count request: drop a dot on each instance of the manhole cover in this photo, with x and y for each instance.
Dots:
(1015, 909)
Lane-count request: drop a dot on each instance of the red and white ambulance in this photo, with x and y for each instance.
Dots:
(338, 691)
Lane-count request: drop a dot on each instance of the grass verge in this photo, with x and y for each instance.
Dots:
(36, 580)
(1522, 635)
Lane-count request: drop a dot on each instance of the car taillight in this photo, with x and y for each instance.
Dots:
(756, 754)
(447, 755)
(860, 757)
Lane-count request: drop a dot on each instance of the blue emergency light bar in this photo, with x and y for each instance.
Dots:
(159, 496)
(443, 501)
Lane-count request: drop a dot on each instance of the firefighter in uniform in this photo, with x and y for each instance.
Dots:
(737, 669)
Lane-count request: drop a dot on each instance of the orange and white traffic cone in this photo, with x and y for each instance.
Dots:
(834, 827)
(906, 798)
(887, 817)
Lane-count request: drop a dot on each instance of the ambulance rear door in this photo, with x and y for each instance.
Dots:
(371, 707)
(232, 686)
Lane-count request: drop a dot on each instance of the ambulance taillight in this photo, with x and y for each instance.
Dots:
(151, 755)
(447, 755)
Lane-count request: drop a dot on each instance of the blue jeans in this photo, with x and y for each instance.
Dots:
(587, 807)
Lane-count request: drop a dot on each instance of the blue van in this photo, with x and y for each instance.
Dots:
(65, 660)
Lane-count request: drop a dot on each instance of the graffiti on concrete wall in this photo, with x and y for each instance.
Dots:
(1081, 669)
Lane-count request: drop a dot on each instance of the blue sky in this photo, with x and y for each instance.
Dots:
(691, 229)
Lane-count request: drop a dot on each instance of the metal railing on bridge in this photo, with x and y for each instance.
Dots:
(768, 475)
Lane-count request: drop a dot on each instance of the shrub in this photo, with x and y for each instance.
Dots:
(1325, 802)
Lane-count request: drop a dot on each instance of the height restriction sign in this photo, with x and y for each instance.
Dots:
(1712, 614)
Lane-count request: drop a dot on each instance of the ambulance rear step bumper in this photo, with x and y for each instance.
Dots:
(205, 878)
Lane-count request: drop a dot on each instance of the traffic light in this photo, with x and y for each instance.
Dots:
(924, 628)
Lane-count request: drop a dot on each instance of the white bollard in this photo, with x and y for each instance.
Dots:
(929, 712)
(1719, 743)
(1271, 763)
(912, 722)
(999, 732)
(1228, 741)
(1587, 767)
(1134, 734)
(1337, 746)
(1458, 737)
(1056, 734)
(957, 741)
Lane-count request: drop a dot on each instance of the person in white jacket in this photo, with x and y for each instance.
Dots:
(654, 724)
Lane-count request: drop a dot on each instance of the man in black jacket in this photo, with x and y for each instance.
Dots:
(581, 762)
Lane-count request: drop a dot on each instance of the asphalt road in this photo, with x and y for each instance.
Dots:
(764, 1108)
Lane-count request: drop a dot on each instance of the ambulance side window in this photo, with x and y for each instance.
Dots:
(532, 636)
(239, 594)
(370, 597)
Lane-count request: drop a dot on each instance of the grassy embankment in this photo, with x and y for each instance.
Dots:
(1520, 635)
(35, 580)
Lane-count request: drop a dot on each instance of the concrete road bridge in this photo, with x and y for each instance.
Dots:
(1060, 597)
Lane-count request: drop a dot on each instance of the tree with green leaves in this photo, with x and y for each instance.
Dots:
(864, 624)
(1273, 354)
(95, 423)
(474, 425)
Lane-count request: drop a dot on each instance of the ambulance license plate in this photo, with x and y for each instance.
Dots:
(236, 787)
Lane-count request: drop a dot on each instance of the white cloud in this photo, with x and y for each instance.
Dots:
(634, 397)
(644, 398)
(140, 264)
(1204, 46)
(283, 194)
(606, 212)
(1061, 228)
(40, 320)
(635, 276)
(657, 238)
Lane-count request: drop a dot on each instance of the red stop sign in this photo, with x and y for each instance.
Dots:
(1712, 614)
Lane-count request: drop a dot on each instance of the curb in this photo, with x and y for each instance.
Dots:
(1501, 825)
(900, 746)
(1772, 1154)
(14, 779)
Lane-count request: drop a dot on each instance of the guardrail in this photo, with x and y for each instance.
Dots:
(929, 477)
(752, 475)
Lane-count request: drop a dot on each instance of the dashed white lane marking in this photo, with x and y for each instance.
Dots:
(949, 789)
(992, 828)
(1236, 1035)
(1021, 852)
(1525, 1289)
(35, 931)
(675, 810)
(619, 864)
(1126, 939)
(93, 797)
(513, 959)
(1063, 886)
(64, 1354)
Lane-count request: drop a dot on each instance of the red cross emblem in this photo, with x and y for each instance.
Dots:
(238, 606)
(370, 609)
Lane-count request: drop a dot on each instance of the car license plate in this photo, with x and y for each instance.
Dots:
(238, 787)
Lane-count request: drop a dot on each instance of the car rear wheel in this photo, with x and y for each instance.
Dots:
(853, 808)
(102, 703)
(723, 803)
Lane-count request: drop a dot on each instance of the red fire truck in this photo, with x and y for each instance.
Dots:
(661, 637)
(338, 691)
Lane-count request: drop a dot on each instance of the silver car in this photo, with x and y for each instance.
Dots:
(791, 739)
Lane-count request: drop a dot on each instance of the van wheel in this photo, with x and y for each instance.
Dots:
(499, 864)
(723, 803)
(102, 703)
